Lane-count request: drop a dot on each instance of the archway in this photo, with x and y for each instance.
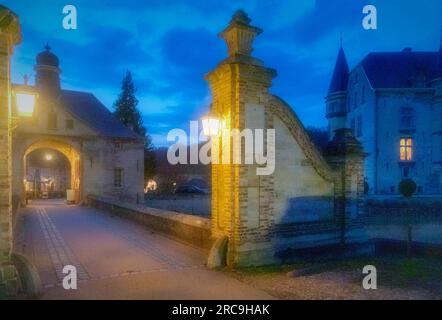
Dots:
(52, 168)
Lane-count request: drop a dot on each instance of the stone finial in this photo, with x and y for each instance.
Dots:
(239, 34)
(9, 24)
(240, 17)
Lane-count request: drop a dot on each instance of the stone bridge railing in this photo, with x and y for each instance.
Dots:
(190, 229)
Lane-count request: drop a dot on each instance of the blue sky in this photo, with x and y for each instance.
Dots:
(170, 45)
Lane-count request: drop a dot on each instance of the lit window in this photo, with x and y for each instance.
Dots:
(406, 149)
(118, 177)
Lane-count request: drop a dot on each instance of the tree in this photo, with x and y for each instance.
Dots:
(407, 188)
(126, 106)
(319, 137)
(127, 112)
(150, 166)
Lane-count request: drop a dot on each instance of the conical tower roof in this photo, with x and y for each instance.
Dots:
(339, 80)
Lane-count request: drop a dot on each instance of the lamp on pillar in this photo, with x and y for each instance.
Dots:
(211, 125)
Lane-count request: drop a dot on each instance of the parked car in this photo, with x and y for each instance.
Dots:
(190, 189)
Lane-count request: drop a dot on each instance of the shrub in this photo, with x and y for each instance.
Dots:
(407, 187)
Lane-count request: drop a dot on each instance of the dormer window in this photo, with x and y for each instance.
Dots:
(69, 124)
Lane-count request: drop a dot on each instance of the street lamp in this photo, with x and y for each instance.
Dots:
(25, 99)
(211, 125)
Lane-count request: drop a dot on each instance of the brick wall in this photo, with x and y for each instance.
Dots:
(9, 36)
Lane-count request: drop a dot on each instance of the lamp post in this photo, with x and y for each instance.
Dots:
(25, 100)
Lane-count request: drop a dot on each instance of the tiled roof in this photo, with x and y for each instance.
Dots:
(405, 69)
(86, 107)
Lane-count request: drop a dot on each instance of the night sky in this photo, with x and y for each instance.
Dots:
(170, 45)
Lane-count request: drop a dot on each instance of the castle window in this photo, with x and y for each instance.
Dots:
(355, 101)
(353, 126)
(407, 118)
(118, 145)
(118, 177)
(359, 127)
(406, 149)
(52, 120)
(69, 124)
(363, 95)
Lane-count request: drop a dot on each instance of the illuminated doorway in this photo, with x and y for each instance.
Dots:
(52, 170)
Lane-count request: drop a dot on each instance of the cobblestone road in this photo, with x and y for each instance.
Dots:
(116, 259)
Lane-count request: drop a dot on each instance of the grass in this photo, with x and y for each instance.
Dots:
(3, 295)
(394, 272)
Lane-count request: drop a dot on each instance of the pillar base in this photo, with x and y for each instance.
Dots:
(8, 281)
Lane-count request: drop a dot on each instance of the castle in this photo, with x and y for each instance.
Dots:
(392, 101)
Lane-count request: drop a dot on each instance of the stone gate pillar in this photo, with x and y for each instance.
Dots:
(241, 200)
(345, 154)
(9, 37)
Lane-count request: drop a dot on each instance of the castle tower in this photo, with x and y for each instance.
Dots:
(336, 99)
(239, 85)
(47, 78)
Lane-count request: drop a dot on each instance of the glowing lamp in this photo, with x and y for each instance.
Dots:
(49, 157)
(211, 125)
(25, 99)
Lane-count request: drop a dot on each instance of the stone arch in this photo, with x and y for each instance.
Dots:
(68, 150)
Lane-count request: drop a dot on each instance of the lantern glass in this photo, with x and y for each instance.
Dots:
(25, 103)
(211, 126)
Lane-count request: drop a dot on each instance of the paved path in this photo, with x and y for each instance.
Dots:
(116, 259)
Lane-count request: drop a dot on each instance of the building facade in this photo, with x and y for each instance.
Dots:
(105, 157)
(392, 101)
